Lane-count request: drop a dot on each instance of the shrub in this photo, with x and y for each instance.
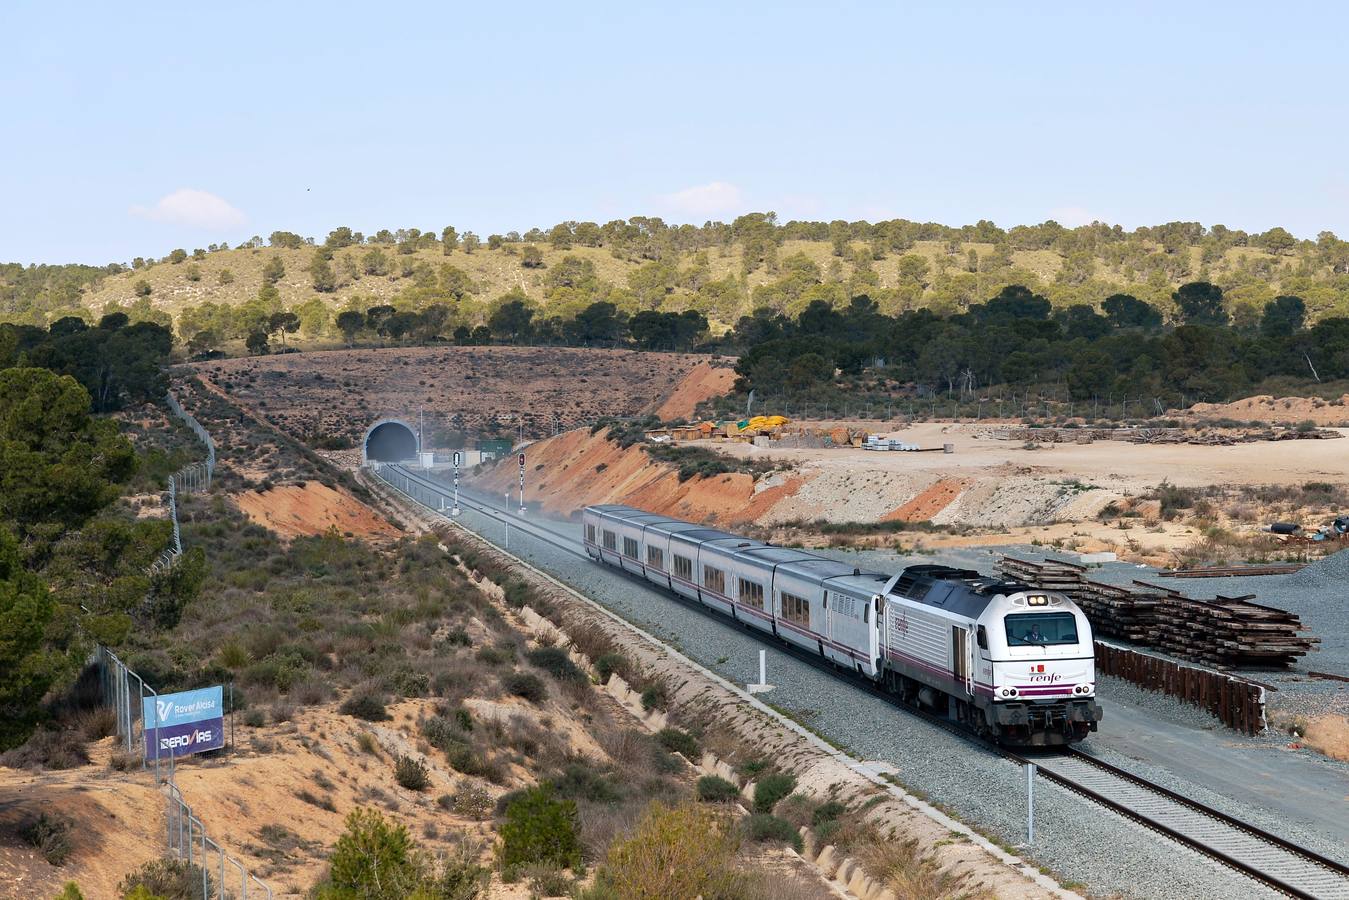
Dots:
(548, 881)
(827, 812)
(365, 706)
(653, 697)
(751, 767)
(313, 800)
(685, 851)
(555, 662)
(48, 749)
(678, 741)
(366, 741)
(540, 828)
(408, 683)
(771, 789)
(764, 827)
(714, 789)
(580, 781)
(255, 718)
(458, 637)
(170, 879)
(50, 836)
(522, 684)
(411, 773)
(612, 664)
(374, 859)
(70, 891)
(472, 802)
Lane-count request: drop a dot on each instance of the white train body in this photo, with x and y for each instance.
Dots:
(1007, 660)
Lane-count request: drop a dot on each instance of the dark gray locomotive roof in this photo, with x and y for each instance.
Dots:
(960, 591)
(963, 592)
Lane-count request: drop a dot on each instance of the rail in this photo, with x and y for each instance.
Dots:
(1300, 872)
(1266, 857)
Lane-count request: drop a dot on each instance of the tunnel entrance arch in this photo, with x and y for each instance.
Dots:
(389, 440)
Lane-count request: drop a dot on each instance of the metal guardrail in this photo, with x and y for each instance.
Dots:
(189, 479)
(125, 692)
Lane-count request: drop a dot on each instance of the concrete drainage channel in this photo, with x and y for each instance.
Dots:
(1073, 836)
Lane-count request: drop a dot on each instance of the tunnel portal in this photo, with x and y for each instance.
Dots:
(389, 440)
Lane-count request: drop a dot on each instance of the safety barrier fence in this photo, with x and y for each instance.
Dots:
(125, 692)
(1237, 702)
(187, 480)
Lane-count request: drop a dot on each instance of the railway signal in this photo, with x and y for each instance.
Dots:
(522, 483)
(454, 511)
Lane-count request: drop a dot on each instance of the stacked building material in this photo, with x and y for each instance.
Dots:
(1226, 632)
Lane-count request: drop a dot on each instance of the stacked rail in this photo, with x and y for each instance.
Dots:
(1226, 632)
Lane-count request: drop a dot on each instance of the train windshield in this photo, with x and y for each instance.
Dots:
(1046, 629)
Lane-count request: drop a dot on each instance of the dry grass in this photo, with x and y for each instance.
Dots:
(1329, 735)
(910, 873)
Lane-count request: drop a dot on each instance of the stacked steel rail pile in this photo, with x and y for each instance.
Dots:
(1226, 632)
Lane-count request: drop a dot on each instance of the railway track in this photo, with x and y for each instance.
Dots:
(1269, 859)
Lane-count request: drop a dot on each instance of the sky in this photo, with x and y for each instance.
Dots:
(131, 129)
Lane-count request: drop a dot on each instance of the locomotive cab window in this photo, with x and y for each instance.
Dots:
(714, 579)
(1040, 629)
(655, 558)
(982, 638)
(610, 541)
(683, 567)
(630, 547)
(590, 533)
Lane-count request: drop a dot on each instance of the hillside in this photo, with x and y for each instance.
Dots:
(475, 390)
(722, 271)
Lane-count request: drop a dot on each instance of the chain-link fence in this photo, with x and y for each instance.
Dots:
(125, 692)
(187, 480)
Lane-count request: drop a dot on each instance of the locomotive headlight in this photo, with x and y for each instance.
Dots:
(1037, 600)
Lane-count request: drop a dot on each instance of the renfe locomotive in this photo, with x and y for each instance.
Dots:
(1007, 661)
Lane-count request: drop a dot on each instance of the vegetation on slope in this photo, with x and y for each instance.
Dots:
(720, 270)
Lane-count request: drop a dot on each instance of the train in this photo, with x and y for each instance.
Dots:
(1006, 661)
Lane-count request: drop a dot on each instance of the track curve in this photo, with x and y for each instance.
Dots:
(1259, 854)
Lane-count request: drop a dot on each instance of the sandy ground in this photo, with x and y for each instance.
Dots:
(991, 491)
(1264, 408)
(703, 382)
(294, 510)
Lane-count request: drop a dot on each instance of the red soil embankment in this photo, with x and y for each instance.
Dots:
(930, 502)
(294, 510)
(703, 382)
(576, 469)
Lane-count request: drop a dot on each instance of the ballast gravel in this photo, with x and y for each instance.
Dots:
(1090, 849)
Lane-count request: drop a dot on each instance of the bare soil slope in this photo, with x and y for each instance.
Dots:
(703, 382)
(1282, 410)
(312, 508)
(341, 392)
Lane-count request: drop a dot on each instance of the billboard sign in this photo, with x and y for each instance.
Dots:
(188, 722)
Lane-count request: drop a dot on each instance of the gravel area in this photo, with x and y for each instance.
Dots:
(1075, 839)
